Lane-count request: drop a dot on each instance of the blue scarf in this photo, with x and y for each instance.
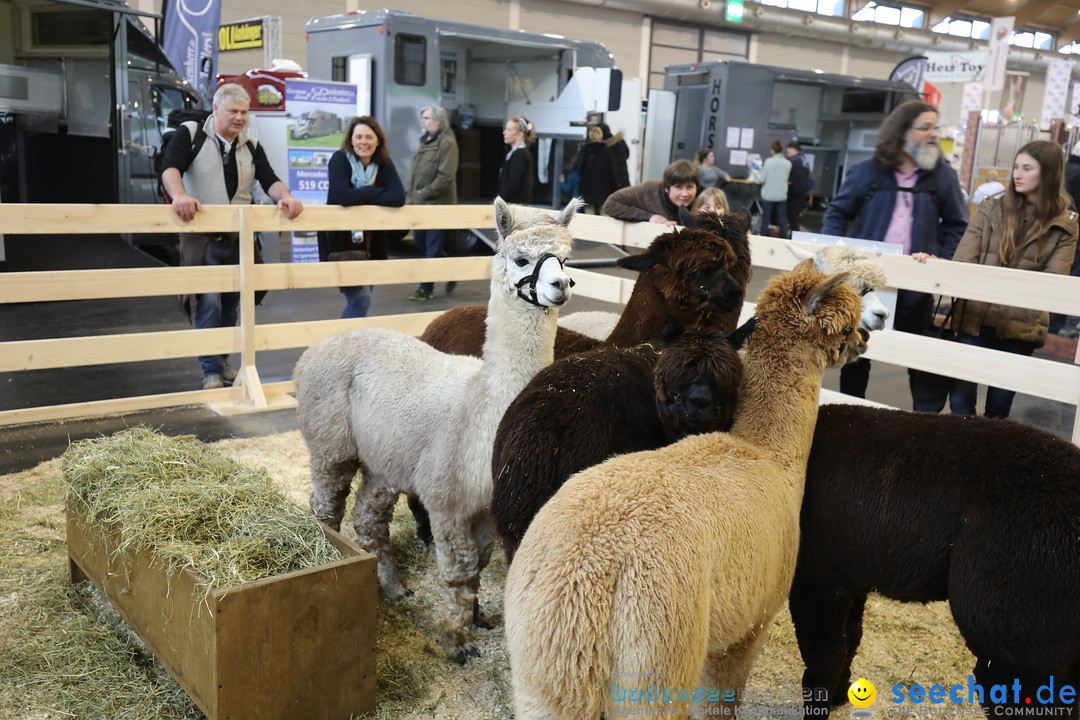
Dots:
(362, 176)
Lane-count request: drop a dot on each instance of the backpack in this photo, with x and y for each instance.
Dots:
(193, 119)
(930, 187)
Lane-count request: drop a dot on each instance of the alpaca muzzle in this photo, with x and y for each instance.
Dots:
(533, 278)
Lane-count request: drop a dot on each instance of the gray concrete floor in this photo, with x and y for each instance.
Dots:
(24, 446)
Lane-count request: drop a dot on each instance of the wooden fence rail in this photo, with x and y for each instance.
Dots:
(1034, 376)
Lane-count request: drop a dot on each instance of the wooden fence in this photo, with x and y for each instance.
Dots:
(1042, 378)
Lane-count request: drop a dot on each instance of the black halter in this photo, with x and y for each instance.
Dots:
(532, 279)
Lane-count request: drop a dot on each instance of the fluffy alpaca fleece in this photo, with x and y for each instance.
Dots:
(418, 421)
(984, 513)
(694, 275)
(583, 409)
(667, 566)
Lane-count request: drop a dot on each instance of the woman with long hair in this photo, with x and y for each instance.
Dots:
(515, 184)
(361, 173)
(1031, 226)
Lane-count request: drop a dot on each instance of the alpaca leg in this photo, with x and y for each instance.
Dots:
(729, 668)
(330, 483)
(483, 532)
(371, 517)
(823, 622)
(423, 521)
(457, 560)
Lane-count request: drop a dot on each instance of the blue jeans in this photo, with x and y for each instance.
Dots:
(769, 208)
(357, 301)
(431, 241)
(965, 393)
(216, 310)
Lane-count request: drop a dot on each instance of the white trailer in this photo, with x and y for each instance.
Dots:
(481, 75)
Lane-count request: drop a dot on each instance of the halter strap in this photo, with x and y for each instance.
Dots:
(532, 279)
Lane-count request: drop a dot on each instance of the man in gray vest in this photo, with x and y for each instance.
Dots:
(217, 164)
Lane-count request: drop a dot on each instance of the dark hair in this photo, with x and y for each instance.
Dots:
(605, 129)
(1050, 198)
(893, 130)
(681, 171)
(382, 153)
(776, 147)
(701, 154)
(795, 144)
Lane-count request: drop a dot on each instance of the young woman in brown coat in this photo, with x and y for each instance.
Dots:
(1032, 226)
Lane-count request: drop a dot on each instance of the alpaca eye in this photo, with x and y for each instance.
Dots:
(865, 292)
(521, 262)
(847, 329)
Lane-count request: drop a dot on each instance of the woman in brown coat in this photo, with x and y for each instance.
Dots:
(1032, 226)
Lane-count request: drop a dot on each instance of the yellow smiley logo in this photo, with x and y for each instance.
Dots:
(862, 693)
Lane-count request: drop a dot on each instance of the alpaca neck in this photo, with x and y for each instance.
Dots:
(519, 342)
(642, 320)
(778, 402)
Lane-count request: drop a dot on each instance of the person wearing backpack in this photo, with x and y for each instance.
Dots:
(906, 194)
(217, 163)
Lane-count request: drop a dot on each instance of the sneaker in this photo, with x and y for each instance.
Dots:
(228, 373)
(450, 286)
(420, 295)
(212, 382)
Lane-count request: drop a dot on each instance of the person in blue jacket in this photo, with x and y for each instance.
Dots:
(360, 173)
(907, 194)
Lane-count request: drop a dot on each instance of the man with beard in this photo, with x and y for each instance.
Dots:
(906, 194)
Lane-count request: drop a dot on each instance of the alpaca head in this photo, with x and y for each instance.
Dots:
(697, 378)
(530, 255)
(695, 269)
(864, 275)
(808, 310)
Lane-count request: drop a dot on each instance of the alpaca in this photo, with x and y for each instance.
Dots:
(866, 277)
(668, 565)
(419, 421)
(981, 512)
(581, 410)
(692, 274)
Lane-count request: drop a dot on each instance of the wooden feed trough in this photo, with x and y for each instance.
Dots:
(295, 645)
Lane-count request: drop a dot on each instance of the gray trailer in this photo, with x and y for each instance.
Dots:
(84, 95)
(738, 109)
(481, 75)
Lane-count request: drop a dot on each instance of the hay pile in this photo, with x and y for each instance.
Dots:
(60, 659)
(192, 507)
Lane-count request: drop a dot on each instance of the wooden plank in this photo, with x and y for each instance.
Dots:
(123, 347)
(50, 285)
(284, 276)
(600, 286)
(276, 336)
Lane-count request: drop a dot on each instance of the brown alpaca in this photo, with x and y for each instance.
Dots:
(667, 566)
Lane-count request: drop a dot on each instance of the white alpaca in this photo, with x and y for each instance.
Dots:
(665, 567)
(418, 421)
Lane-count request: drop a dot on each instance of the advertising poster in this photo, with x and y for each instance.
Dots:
(317, 112)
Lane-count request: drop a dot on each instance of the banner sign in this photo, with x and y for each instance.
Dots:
(1000, 30)
(189, 40)
(910, 71)
(244, 35)
(961, 67)
(318, 113)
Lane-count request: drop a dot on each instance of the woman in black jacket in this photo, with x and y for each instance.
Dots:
(516, 175)
(595, 167)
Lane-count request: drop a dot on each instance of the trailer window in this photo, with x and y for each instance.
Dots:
(410, 55)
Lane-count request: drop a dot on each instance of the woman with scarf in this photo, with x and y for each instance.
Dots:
(361, 173)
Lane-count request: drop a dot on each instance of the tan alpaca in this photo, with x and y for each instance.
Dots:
(665, 567)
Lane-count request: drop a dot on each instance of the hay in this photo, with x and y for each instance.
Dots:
(192, 507)
(60, 659)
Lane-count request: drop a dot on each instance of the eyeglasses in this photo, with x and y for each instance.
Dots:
(927, 128)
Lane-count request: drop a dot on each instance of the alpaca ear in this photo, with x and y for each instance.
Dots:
(798, 252)
(822, 291)
(742, 334)
(568, 212)
(504, 219)
(841, 243)
(672, 329)
(686, 218)
(640, 262)
(807, 264)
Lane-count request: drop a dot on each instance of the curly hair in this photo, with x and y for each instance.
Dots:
(893, 131)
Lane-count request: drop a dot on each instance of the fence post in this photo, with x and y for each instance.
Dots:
(248, 377)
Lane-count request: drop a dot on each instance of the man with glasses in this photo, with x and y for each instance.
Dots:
(909, 195)
(217, 164)
(433, 181)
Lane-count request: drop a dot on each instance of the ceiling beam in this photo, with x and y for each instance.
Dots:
(1032, 10)
(856, 5)
(942, 10)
